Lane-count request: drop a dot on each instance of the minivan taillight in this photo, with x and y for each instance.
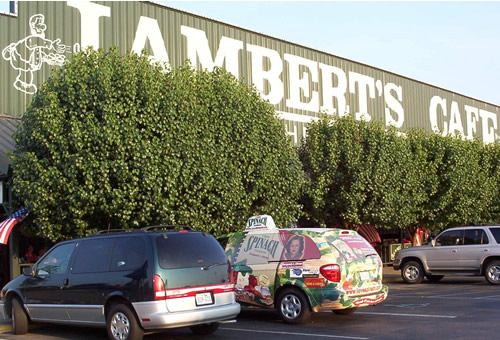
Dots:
(160, 293)
(331, 272)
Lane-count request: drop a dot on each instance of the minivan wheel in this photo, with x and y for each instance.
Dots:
(205, 329)
(346, 311)
(293, 306)
(412, 272)
(122, 324)
(19, 318)
(492, 272)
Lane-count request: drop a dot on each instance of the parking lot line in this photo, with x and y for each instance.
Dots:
(413, 315)
(486, 297)
(293, 333)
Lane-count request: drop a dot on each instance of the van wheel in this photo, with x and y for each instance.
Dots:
(346, 311)
(293, 306)
(492, 273)
(122, 324)
(205, 329)
(19, 318)
(434, 278)
(412, 272)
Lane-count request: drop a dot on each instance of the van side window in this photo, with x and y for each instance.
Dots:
(56, 262)
(451, 238)
(496, 234)
(259, 248)
(93, 256)
(298, 247)
(128, 254)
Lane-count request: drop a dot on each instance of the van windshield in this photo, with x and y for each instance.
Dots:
(187, 250)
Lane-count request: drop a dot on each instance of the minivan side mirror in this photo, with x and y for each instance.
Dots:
(28, 271)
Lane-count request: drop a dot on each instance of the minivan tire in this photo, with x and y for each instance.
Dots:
(492, 272)
(19, 318)
(412, 272)
(122, 324)
(205, 329)
(293, 307)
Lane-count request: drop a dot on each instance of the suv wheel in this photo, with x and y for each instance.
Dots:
(122, 324)
(492, 272)
(205, 329)
(293, 306)
(412, 272)
(19, 318)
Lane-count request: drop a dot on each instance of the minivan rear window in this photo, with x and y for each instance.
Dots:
(187, 250)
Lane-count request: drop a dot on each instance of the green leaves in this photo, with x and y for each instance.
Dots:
(114, 141)
(359, 172)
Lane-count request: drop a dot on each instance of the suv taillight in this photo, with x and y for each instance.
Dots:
(160, 293)
(331, 272)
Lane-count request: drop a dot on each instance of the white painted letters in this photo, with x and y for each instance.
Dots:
(272, 75)
(394, 104)
(197, 45)
(330, 92)
(148, 28)
(363, 82)
(300, 82)
(89, 18)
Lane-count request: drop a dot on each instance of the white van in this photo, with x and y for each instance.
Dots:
(297, 271)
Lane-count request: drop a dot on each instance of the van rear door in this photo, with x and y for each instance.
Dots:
(194, 270)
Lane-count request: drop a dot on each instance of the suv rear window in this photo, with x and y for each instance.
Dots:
(187, 250)
(496, 234)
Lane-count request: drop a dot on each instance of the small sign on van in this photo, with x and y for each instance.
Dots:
(260, 222)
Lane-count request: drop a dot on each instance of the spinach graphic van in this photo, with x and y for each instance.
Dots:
(299, 271)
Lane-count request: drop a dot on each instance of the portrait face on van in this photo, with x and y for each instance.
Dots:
(294, 248)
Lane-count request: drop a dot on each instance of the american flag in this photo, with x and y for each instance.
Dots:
(8, 224)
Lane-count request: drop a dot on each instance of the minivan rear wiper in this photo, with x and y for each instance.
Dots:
(213, 265)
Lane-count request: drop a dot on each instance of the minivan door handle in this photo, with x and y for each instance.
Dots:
(65, 283)
(454, 251)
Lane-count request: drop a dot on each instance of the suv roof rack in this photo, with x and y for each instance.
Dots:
(166, 227)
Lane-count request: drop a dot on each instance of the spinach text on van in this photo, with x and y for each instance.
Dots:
(297, 271)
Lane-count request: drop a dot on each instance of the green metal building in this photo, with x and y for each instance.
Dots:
(36, 37)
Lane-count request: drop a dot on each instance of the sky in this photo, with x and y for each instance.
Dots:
(452, 44)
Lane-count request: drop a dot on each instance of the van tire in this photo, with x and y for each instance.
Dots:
(346, 311)
(121, 321)
(293, 306)
(204, 329)
(19, 318)
(412, 272)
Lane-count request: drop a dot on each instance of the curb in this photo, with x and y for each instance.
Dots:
(5, 327)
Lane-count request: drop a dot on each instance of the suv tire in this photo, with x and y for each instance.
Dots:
(122, 324)
(293, 307)
(492, 272)
(412, 272)
(205, 329)
(19, 318)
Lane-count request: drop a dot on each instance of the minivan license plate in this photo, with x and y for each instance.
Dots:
(204, 299)
(364, 276)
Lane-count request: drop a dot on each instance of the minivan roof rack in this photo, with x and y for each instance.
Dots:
(109, 231)
(167, 227)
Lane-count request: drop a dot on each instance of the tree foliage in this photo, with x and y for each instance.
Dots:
(114, 141)
(360, 172)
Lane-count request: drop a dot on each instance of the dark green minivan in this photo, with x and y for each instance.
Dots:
(129, 282)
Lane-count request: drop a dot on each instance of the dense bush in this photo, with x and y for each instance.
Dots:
(359, 172)
(113, 141)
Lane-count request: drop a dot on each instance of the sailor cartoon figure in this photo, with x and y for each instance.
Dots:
(28, 54)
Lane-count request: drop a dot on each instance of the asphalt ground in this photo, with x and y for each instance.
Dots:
(455, 308)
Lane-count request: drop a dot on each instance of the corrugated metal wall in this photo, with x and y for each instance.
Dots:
(64, 22)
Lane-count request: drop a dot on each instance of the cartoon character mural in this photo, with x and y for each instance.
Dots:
(28, 55)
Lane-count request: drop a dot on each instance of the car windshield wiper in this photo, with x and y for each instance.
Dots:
(213, 265)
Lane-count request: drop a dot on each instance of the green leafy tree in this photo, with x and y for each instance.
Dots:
(114, 141)
(357, 172)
